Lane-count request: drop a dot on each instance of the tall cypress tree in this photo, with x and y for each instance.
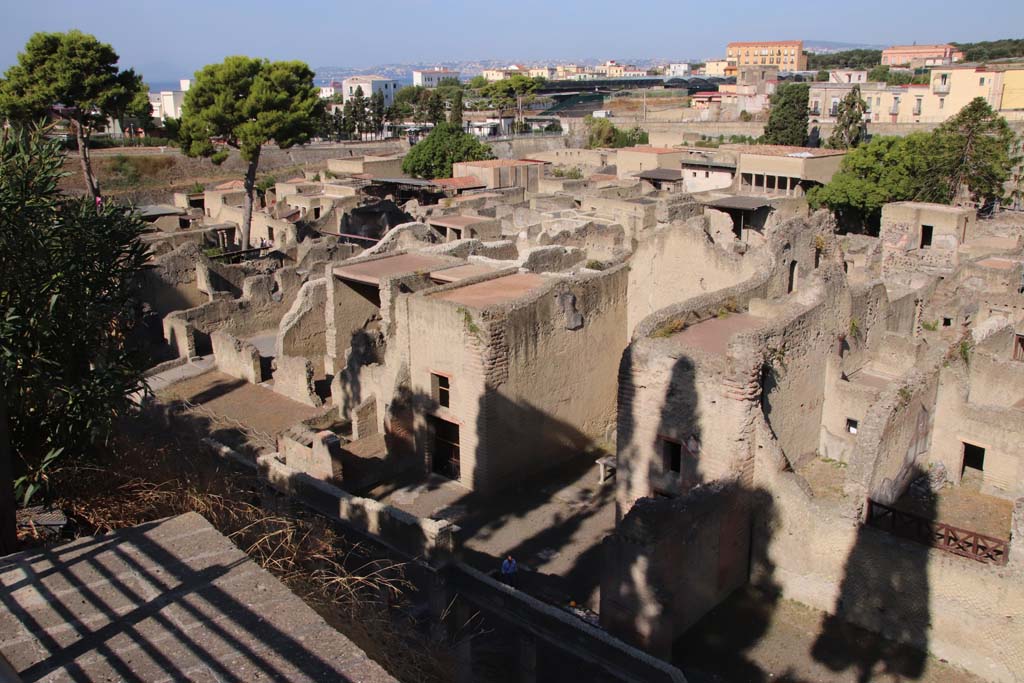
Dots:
(787, 123)
(455, 115)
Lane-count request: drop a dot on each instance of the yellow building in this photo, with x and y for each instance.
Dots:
(951, 89)
(788, 55)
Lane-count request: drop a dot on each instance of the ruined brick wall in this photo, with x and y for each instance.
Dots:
(169, 282)
(670, 562)
(999, 430)
(955, 608)
(551, 367)
(678, 261)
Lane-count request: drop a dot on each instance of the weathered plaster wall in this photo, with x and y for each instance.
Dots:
(303, 328)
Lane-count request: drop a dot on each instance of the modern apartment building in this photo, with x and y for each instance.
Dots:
(788, 55)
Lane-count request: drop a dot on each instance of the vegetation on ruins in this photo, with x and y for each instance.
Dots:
(67, 366)
(850, 128)
(603, 133)
(245, 103)
(969, 158)
(433, 156)
(787, 123)
(74, 78)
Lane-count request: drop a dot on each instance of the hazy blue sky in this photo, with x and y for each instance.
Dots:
(170, 39)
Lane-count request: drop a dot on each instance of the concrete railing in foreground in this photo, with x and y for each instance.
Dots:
(561, 629)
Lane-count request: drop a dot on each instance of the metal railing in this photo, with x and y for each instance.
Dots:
(934, 534)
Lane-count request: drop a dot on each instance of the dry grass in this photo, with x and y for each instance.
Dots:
(358, 590)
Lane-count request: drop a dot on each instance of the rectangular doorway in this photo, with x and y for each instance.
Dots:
(445, 452)
(974, 459)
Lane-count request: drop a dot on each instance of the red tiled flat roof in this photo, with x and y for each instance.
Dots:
(372, 272)
(497, 291)
(461, 272)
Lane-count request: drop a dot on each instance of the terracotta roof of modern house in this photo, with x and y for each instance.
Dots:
(231, 185)
(495, 163)
(784, 150)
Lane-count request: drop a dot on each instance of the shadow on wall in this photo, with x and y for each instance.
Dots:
(884, 588)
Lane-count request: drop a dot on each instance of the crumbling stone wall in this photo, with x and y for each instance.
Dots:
(236, 358)
(169, 281)
(302, 331)
(670, 562)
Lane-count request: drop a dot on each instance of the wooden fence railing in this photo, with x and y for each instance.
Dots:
(938, 535)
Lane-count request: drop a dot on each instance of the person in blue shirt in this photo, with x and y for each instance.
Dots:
(508, 570)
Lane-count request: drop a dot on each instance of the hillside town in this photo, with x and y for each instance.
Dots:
(700, 371)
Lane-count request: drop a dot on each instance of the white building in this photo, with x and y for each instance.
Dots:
(370, 85)
(430, 78)
(847, 76)
(329, 91)
(680, 70)
(167, 103)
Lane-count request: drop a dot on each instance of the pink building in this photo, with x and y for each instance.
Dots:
(921, 55)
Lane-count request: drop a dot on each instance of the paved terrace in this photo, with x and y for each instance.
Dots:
(170, 600)
(713, 335)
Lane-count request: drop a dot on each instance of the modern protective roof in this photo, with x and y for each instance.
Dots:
(660, 174)
(738, 202)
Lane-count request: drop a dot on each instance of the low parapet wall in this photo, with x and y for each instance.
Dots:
(416, 537)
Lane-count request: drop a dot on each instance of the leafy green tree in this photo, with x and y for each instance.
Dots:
(603, 133)
(455, 115)
(849, 129)
(359, 113)
(972, 156)
(248, 103)
(846, 59)
(67, 314)
(886, 169)
(787, 122)
(74, 77)
(376, 112)
(433, 156)
(879, 74)
(477, 82)
(406, 100)
(435, 108)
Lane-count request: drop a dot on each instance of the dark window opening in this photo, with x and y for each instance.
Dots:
(1018, 347)
(672, 454)
(974, 458)
(926, 236)
(440, 389)
(851, 425)
(946, 322)
(446, 447)
(792, 277)
(270, 234)
(817, 257)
